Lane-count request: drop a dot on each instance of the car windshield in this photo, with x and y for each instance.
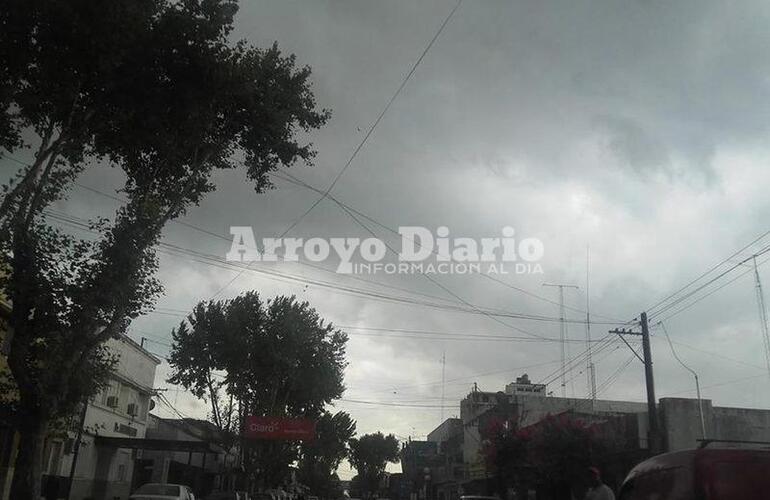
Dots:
(170, 490)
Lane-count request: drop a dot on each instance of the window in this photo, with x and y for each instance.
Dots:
(120, 470)
(112, 389)
(52, 458)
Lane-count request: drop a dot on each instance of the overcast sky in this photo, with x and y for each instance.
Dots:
(638, 128)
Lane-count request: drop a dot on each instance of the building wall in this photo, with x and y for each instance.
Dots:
(103, 472)
(529, 409)
(534, 408)
(448, 428)
(680, 421)
(198, 470)
(449, 470)
(471, 408)
(9, 438)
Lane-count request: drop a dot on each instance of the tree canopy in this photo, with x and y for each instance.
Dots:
(274, 358)
(369, 455)
(156, 89)
(321, 457)
(553, 454)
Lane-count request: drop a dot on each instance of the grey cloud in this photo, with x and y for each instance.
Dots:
(540, 115)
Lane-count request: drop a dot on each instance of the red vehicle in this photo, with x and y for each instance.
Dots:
(702, 474)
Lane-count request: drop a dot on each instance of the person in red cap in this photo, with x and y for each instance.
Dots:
(598, 490)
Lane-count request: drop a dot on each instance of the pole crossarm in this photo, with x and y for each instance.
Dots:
(620, 334)
(624, 331)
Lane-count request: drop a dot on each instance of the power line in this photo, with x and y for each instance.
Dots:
(695, 376)
(652, 308)
(711, 292)
(181, 313)
(471, 307)
(366, 137)
(217, 261)
(298, 182)
(410, 333)
(689, 294)
(469, 377)
(403, 405)
(711, 353)
(447, 290)
(82, 223)
(286, 176)
(615, 375)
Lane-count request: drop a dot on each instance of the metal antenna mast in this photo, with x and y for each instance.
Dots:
(563, 334)
(590, 368)
(443, 383)
(762, 314)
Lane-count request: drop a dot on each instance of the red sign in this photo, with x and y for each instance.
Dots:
(286, 429)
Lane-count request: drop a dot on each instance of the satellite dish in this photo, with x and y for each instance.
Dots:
(152, 405)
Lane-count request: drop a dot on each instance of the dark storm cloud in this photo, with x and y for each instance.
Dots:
(636, 127)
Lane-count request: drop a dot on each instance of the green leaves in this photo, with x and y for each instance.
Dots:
(279, 357)
(370, 454)
(156, 89)
(276, 358)
(320, 458)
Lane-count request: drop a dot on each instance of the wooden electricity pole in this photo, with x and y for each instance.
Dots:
(654, 437)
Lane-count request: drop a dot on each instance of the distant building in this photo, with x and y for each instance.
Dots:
(104, 470)
(418, 460)
(523, 387)
(9, 438)
(190, 455)
(457, 466)
(449, 471)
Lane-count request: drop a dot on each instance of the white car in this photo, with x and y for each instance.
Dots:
(158, 491)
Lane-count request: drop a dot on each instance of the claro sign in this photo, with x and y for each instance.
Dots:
(285, 429)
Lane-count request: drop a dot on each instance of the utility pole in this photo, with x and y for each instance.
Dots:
(762, 313)
(697, 382)
(76, 446)
(563, 334)
(652, 409)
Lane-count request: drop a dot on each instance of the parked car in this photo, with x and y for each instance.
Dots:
(702, 474)
(158, 491)
(227, 495)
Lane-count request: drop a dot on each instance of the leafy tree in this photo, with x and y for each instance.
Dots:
(276, 358)
(154, 88)
(369, 455)
(321, 457)
(504, 450)
(554, 454)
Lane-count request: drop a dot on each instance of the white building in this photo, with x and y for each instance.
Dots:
(527, 404)
(120, 410)
(523, 387)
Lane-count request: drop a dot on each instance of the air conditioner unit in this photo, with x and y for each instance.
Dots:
(132, 409)
(112, 401)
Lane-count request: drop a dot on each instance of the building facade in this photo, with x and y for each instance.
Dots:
(447, 475)
(102, 471)
(205, 469)
(458, 468)
(120, 410)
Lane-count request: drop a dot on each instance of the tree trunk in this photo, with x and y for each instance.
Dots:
(28, 471)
